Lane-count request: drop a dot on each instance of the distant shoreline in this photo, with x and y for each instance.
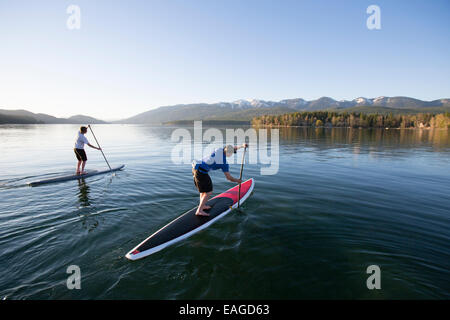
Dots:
(191, 124)
(358, 128)
(333, 119)
(208, 122)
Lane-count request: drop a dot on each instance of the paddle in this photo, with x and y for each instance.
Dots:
(240, 176)
(99, 146)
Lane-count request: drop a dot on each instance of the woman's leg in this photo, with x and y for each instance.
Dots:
(82, 166)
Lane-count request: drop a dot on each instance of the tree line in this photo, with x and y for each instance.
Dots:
(355, 120)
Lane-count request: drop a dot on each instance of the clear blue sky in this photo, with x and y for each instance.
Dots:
(131, 56)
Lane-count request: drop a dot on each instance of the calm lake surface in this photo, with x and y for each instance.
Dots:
(342, 200)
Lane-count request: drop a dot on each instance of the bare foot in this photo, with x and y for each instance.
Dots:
(77, 173)
(202, 213)
(206, 207)
(83, 172)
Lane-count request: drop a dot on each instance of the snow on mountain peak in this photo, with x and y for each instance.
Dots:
(362, 100)
(256, 103)
(242, 102)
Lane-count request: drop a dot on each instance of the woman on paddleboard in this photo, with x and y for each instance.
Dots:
(80, 141)
(200, 168)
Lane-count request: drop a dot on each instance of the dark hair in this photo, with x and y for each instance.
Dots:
(83, 129)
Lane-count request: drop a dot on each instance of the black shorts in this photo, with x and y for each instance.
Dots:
(81, 154)
(202, 181)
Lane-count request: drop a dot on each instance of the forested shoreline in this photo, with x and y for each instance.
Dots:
(355, 120)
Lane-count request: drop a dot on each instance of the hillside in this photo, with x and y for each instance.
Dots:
(13, 119)
(395, 111)
(23, 116)
(81, 119)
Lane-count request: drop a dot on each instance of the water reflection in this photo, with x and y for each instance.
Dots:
(345, 199)
(332, 137)
(369, 138)
(83, 194)
(86, 212)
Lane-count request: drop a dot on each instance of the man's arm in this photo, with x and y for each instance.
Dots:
(231, 178)
(90, 145)
(244, 145)
(227, 174)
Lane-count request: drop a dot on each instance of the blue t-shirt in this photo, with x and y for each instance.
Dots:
(217, 160)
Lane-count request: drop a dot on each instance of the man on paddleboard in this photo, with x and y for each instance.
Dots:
(200, 168)
(80, 141)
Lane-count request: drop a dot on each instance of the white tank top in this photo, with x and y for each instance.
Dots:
(81, 141)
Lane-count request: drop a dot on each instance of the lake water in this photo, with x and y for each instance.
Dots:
(341, 201)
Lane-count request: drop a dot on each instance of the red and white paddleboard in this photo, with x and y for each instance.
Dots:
(188, 223)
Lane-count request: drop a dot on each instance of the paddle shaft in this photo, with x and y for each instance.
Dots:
(240, 176)
(99, 147)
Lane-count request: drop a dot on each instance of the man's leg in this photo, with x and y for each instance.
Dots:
(205, 207)
(204, 196)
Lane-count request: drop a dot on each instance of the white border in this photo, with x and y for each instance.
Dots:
(148, 252)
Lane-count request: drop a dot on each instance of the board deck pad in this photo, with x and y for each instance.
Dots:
(89, 173)
(189, 223)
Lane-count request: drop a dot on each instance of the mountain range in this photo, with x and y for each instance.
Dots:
(244, 110)
(248, 109)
